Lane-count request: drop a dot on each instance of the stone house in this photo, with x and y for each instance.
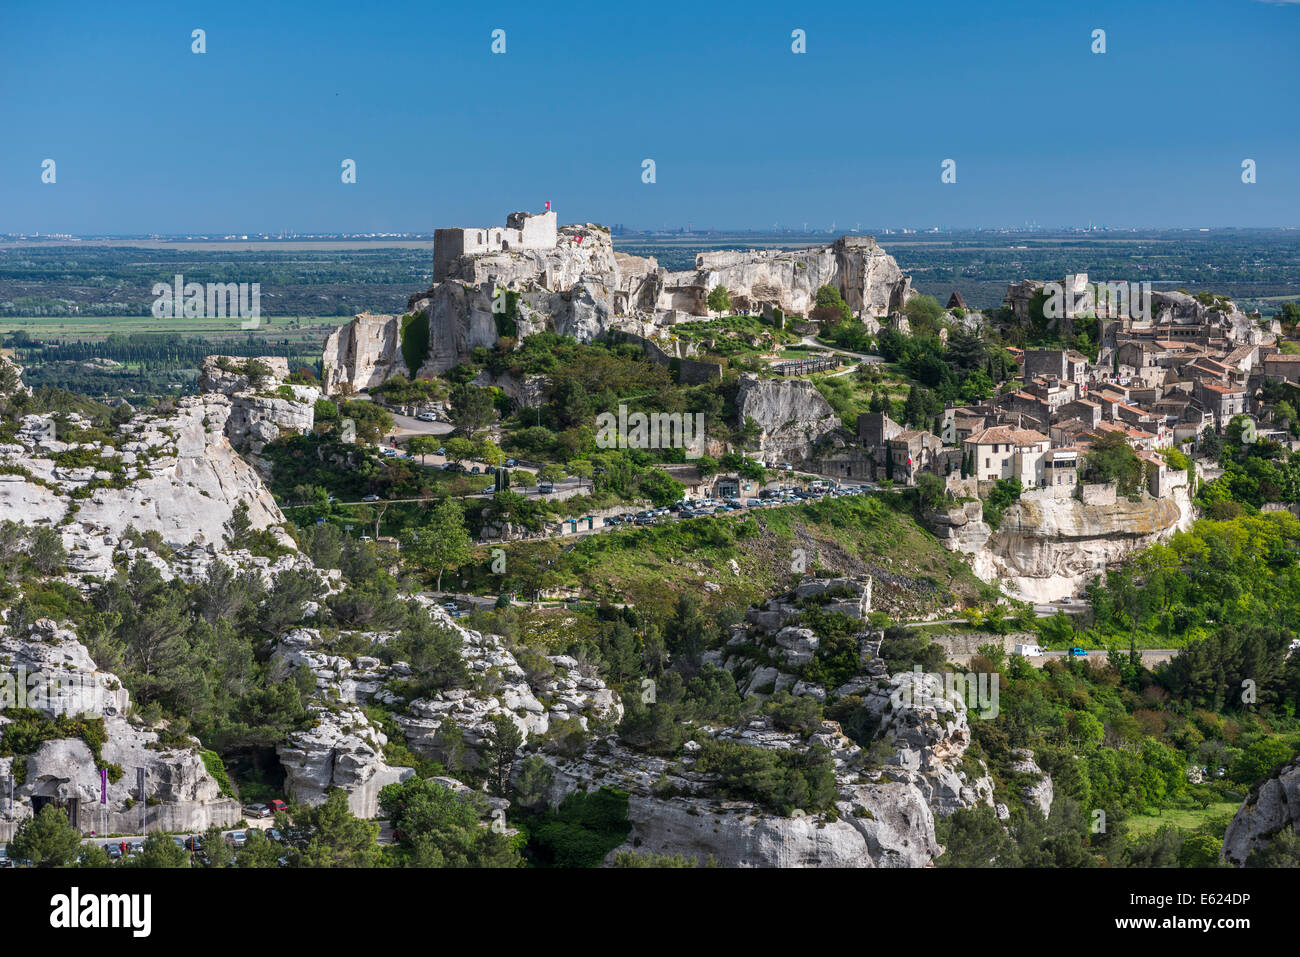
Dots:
(1002, 452)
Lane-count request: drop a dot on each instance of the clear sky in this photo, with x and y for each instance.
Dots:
(150, 137)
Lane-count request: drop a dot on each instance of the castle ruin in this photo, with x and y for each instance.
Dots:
(522, 231)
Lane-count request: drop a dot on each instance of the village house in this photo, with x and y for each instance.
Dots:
(1002, 452)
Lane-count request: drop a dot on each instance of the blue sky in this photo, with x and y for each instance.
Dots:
(149, 137)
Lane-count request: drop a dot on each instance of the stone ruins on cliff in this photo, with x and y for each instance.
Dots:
(570, 280)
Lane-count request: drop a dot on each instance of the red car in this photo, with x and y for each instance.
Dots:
(277, 805)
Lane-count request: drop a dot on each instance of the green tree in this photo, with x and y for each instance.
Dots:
(334, 837)
(441, 542)
(160, 851)
(472, 408)
(719, 299)
(47, 840)
(503, 740)
(437, 827)
(423, 445)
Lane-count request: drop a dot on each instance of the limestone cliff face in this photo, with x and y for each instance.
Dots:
(790, 413)
(869, 279)
(176, 474)
(1270, 809)
(259, 412)
(364, 353)
(1051, 548)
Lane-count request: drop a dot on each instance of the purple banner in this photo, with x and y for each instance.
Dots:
(103, 785)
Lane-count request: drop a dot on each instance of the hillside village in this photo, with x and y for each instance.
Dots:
(415, 577)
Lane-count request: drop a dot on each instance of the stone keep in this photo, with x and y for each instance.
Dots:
(522, 231)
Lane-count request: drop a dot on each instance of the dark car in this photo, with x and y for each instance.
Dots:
(194, 844)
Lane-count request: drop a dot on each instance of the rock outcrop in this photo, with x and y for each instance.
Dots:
(364, 353)
(173, 473)
(1271, 808)
(262, 408)
(867, 277)
(1047, 548)
(877, 823)
(925, 723)
(58, 677)
(790, 413)
(345, 750)
(341, 750)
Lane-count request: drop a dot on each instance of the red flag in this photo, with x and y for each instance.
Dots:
(548, 205)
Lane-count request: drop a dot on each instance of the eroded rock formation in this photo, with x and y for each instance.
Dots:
(181, 794)
(790, 413)
(1271, 808)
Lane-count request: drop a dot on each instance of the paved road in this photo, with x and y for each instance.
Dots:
(1150, 657)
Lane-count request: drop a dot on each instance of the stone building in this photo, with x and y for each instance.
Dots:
(521, 231)
(1002, 452)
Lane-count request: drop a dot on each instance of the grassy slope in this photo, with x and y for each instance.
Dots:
(650, 566)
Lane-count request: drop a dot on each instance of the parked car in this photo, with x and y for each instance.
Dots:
(275, 835)
(427, 417)
(511, 463)
(257, 811)
(237, 838)
(275, 804)
(545, 488)
(194, 844)
(370, 498)
(1078, 653)
(114, 851)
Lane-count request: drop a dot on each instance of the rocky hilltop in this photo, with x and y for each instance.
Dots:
(868, 278)
(579, 286)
